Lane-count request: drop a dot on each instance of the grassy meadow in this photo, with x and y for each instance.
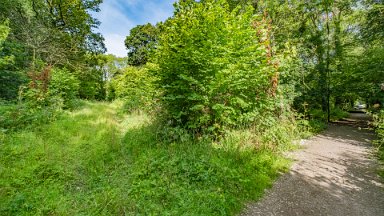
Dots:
(99, 161)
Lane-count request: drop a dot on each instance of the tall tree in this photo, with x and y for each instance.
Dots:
(8, 81)
(56, 32)
(140, 43)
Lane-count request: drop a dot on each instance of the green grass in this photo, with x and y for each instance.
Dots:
(380, 154)
(337, 114)
(379, 142)
(99, 161)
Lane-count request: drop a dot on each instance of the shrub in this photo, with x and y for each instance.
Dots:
(135, 87)
(379, 126)
(379, 142)
(215, 68)
(10, 79)
(39, 102)
(26, 115)
(110, 91)
(337, 114)
(91, 84)
(318, 114)
(65, 85)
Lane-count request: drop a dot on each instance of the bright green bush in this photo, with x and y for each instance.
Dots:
(136, 87)
(110, 90)
(65, 85)
(214, 68)
(91, 84)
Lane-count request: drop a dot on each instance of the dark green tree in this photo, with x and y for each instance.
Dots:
(49, 33)
(140, 43)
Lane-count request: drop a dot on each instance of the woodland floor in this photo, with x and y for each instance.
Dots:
(334, 174)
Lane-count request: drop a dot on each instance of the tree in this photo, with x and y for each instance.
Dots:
(8, 81)
(140, 43)
(215, 67)
(366, 68)
(114, 66)
(373, 27)
(4, 31)
(56, 33)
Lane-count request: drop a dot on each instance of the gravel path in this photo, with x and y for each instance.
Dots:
(335, 174)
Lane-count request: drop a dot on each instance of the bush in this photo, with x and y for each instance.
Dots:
(215, 69)
(379, 128)
(91, 84)
(135, 87)
(65, 85)
(311, 127)
(318, 114)
(379, 143)
(25, 115)
(42, 100)
(337, 114)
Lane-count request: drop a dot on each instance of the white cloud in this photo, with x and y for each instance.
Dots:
(118, 17)
(114, 27)
(115, 44)
(111, 17)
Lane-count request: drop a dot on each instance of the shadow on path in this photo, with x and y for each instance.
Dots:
(335, 174)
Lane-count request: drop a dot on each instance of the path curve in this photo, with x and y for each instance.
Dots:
(335, 174)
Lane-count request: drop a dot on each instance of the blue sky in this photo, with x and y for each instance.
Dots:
(119, 16)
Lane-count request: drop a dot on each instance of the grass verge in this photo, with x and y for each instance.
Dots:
(379, 142)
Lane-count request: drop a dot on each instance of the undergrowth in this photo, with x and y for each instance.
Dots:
(97, 161)
(379, 143)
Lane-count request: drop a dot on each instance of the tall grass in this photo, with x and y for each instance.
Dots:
(98, 161)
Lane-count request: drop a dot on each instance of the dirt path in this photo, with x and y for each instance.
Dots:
(335, 174)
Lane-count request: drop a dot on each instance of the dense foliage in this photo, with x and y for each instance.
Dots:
(379, 142)
(65, 85)
(136, 87)
(141, 42)
(215, 68)
(47, 33)
(198, 113)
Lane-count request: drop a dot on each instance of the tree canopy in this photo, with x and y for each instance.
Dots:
(140, 43)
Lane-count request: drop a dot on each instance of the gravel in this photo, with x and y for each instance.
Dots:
(334, 174)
